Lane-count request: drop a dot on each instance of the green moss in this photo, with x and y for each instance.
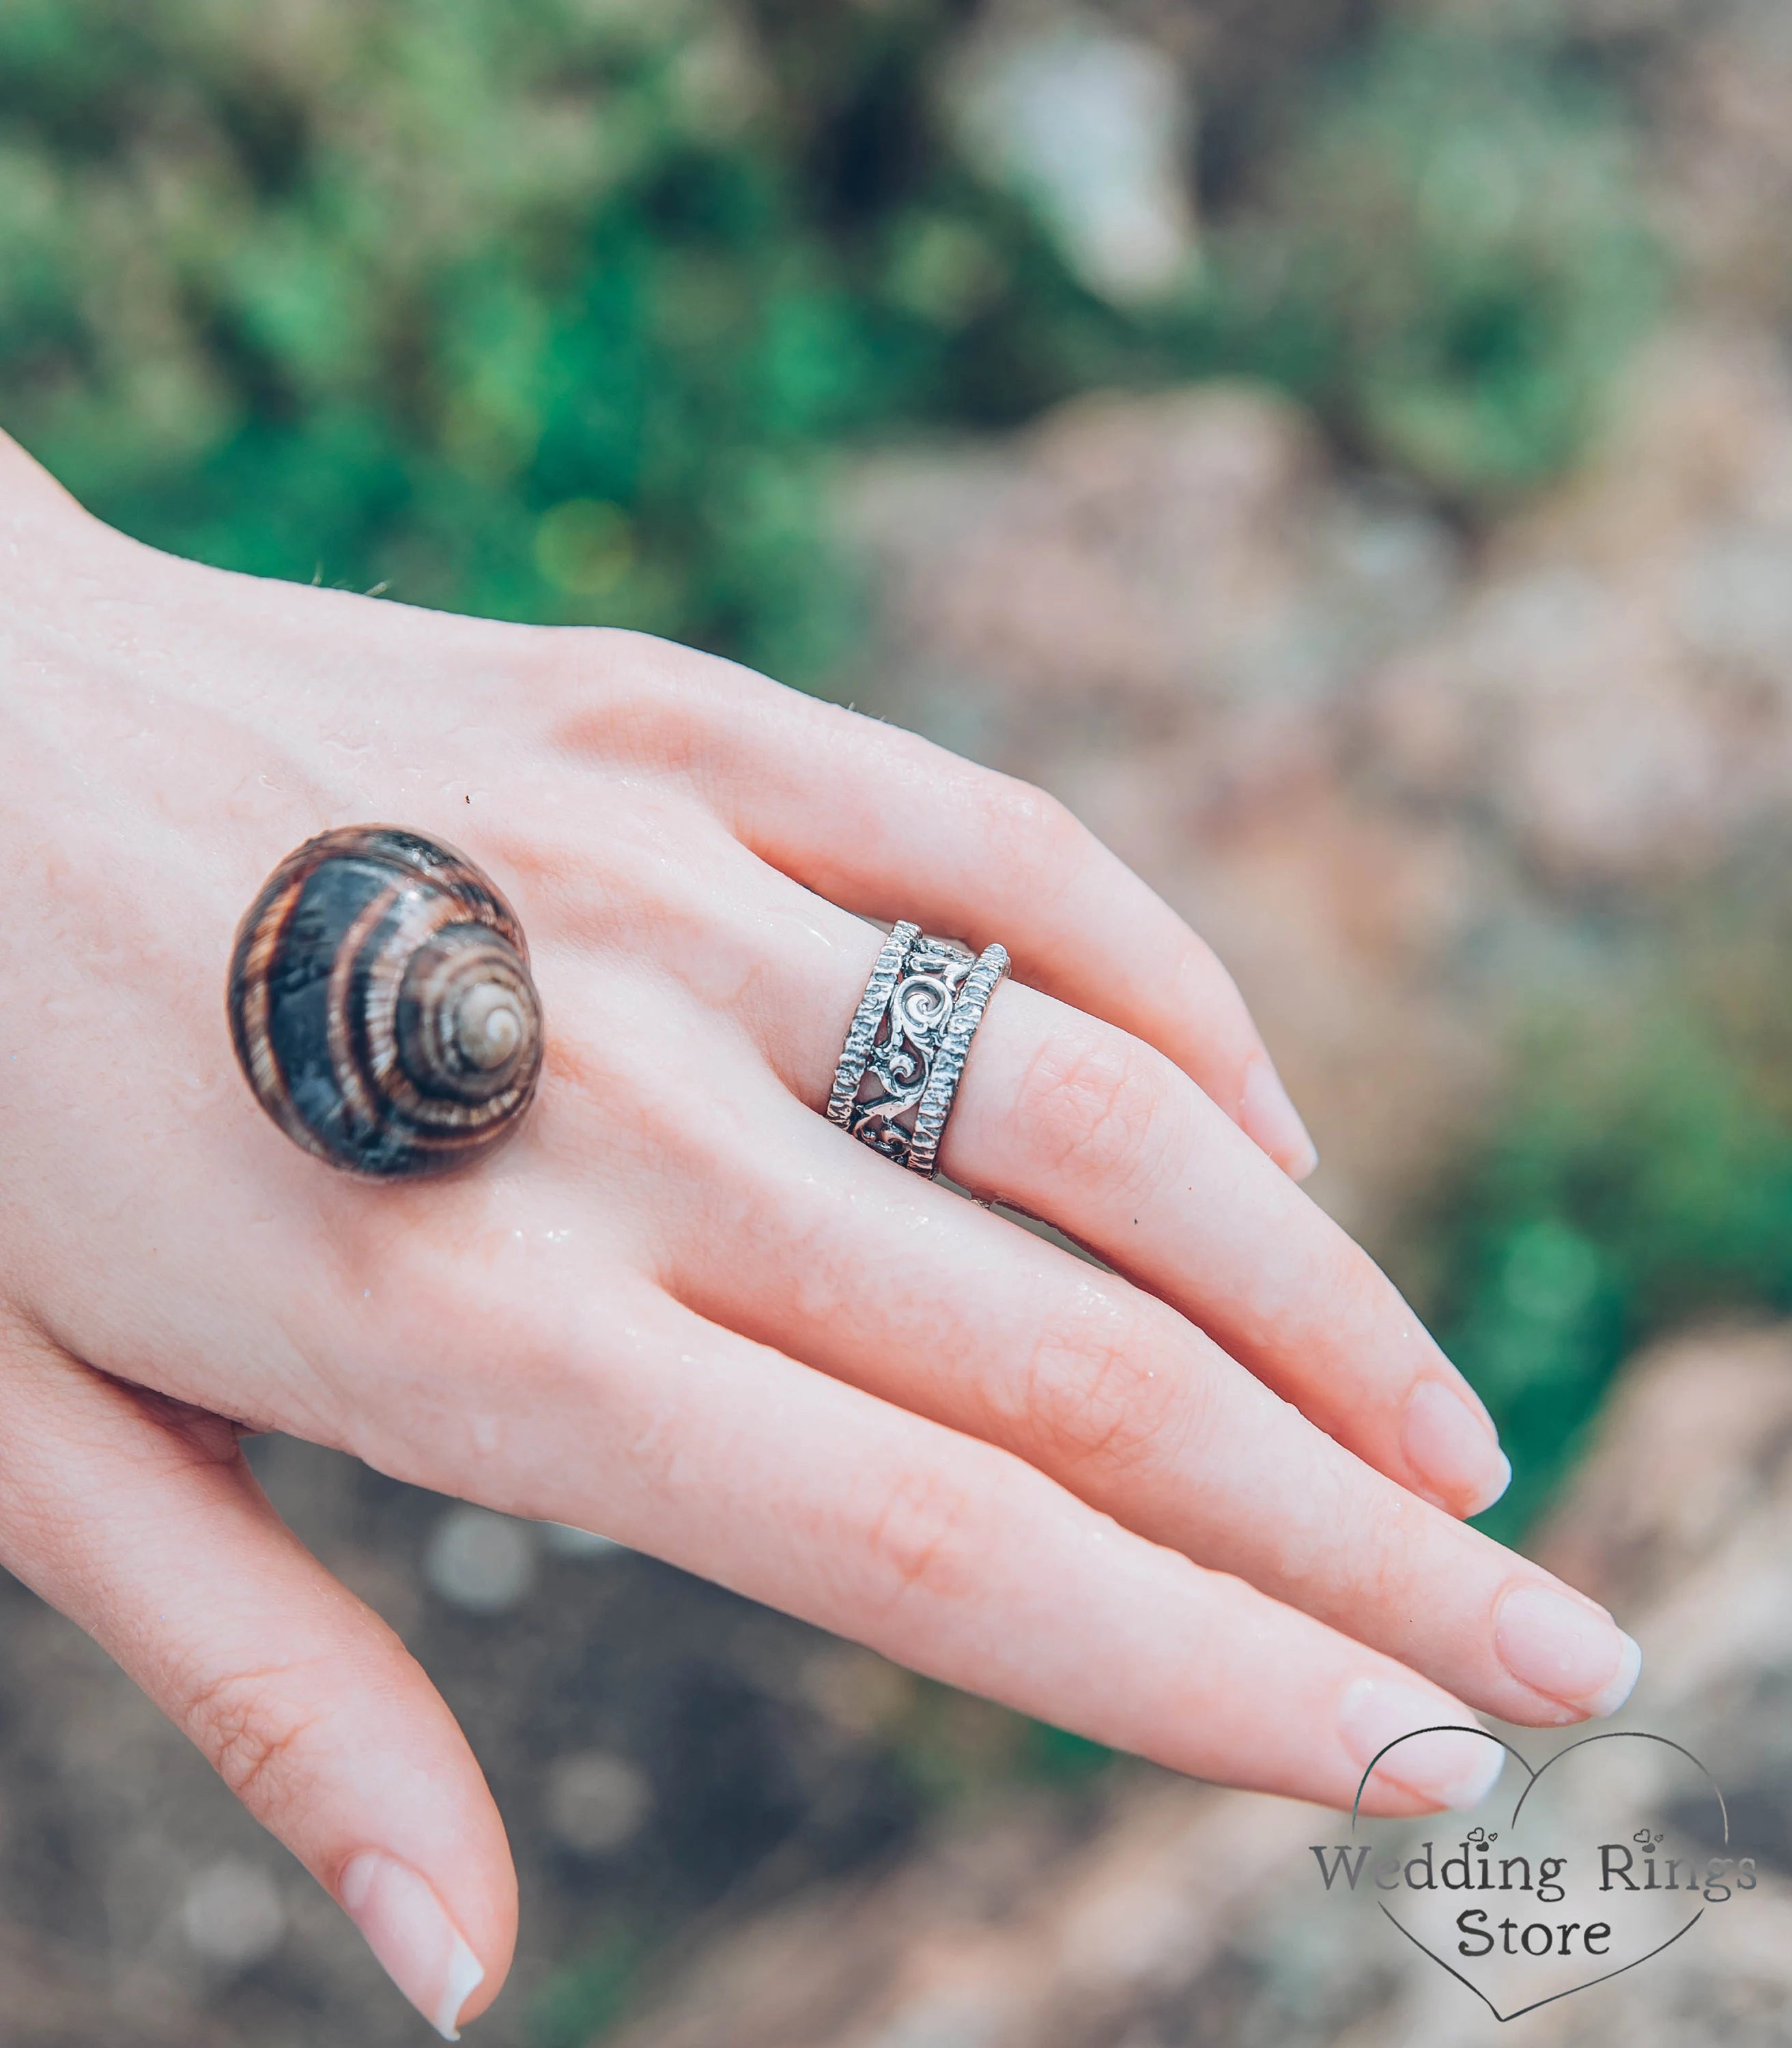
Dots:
(1638, 1178)
(583, 2001)
(1460, 227)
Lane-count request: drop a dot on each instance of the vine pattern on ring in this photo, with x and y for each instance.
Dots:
(902, 1057)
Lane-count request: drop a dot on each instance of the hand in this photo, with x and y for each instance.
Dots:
(1199, 1507)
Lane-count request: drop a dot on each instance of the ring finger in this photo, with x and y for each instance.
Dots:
(1072, 1120)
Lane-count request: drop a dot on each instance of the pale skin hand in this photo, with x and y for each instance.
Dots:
(1201, 1506)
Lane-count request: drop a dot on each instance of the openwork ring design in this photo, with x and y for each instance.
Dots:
(906, 1047)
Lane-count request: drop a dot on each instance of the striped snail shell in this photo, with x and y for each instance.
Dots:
(381, 1003)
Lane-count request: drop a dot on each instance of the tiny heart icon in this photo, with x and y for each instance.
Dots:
(1567, 1877)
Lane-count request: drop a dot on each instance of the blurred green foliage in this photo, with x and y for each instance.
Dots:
(559, 309)
(1465, 237)
(954, 1749)
(546, 309)
(586, 1999)
(1638, 1177)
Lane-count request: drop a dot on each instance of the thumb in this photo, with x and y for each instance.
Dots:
(141, 1522)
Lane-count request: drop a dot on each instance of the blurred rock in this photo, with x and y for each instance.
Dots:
(1616, 686)
(1094, 130)
(1719, 75)
(232, 1915)
(860, 1694)
(483, 1562)
(596, 1801)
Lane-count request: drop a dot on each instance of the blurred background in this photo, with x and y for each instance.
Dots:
(1343, 447)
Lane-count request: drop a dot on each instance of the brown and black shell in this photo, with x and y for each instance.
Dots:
(382, 1006)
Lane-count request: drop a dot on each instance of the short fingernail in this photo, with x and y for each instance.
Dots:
(1451, 1765)
(1451, 1445)
(1573, 1652)
(422, 1950)
(1272, 1120)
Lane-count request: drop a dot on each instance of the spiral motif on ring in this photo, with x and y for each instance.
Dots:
(382, 1006)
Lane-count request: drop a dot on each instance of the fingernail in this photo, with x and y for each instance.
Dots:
(1272, 1120)
(419, 1948)
(1573, 1652)
(1451, 1445)
(1451, 1766)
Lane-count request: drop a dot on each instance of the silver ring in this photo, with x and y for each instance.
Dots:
(906, 1045)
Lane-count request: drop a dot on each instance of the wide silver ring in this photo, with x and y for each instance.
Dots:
(906, 1045)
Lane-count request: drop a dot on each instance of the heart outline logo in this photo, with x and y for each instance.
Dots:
(1532, 1778)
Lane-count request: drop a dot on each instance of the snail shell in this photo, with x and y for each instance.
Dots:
(381, 1003)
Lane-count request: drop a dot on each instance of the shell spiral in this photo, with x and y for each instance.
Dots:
(381, 1003)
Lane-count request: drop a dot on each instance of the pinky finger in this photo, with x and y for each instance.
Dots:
(143, 1523)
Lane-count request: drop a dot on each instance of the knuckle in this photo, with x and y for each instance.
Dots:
(1100, 1391)
(1032, 829)
(921, 1538)
(1202, 986)
(252, 1735)
(1095, 1103)
(651, 712)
